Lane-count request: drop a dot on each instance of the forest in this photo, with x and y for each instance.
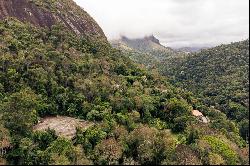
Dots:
(139, 116)
(218, 77)
(67, 97)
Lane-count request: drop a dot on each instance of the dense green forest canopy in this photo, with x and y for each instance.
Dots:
(218, 77)
(139, 117)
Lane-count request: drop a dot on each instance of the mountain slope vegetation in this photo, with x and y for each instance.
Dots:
(139, 117)
(146, 51)
(219, 77)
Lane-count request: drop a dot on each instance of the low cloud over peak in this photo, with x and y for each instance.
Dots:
(176, 23)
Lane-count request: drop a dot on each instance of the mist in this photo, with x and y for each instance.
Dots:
(176, 23)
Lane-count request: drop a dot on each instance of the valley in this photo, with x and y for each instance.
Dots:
(70, 97)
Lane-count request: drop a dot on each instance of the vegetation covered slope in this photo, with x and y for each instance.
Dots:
(220, 77)
(139, 117)
(217, 76)
(45, 72)
(147, 51)
(146, 45)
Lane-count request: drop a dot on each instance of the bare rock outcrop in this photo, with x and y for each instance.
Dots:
(45, 13)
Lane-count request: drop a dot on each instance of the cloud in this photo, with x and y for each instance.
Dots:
(176, 23)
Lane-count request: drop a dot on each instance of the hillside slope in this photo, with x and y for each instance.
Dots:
(45, 13)
(147, 51)
(190, 49)
(219, 77)
(138, 117)
(148, 44)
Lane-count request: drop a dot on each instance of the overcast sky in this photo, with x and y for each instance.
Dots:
(176, 23)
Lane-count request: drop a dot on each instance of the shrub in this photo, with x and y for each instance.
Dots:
(219, 147)
(108, 152)
(149, 146)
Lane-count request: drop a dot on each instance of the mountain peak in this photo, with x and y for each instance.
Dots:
(47, 13)
(152, 38)
(124, 38)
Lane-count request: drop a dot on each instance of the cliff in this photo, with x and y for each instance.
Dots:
(44, 13)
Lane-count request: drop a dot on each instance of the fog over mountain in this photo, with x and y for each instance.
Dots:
(177, 23)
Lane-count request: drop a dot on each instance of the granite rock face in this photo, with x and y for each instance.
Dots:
(45, 13)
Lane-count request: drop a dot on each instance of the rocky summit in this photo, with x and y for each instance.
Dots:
(48, 13)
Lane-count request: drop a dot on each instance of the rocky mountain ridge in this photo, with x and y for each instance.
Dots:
(48, 13)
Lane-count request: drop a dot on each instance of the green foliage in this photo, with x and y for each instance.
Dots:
(90, 138)
(61, 147)
(108, 152)
(244, 129)
(215, 159)
(218, 76)
(99, 113)
(176, 108)
(236, 111)
(48, 72)
(43, 139)
(193, 135)
(150, 146)
(20, 111)
(219, 147)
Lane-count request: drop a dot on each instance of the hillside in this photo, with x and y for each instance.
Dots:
(190, 49)
(45, 13)
(148, 45)
(136, 116)
(219, 76)
(147, 51)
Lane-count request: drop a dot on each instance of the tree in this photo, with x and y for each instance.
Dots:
(244, 129)
(193, 135)
(218, 145)
(184, 155)
(176, 108)
(61, 151)
(120, 133)
(44, 139)
(108, 152)
(237, 111)
(81, 158)
(21, 106)
(215, 159)
(150, 146)
(180, 123)
(90, 138)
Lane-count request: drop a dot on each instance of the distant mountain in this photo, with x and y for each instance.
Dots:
(143, 44)
(147, 50)
(190, 49)
(148, 44)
